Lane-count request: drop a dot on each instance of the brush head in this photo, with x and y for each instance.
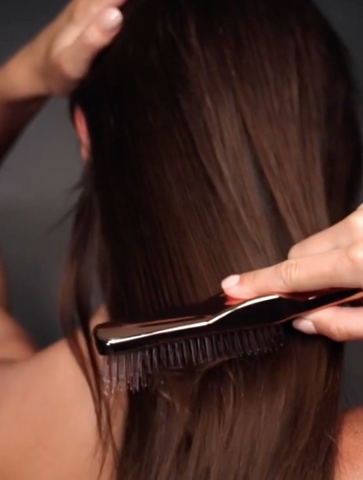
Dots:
(133, 370)
(187, 337)
(215, 316)
(219, 328)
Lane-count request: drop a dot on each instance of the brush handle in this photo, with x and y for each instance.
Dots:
(332, 298)
(252, 314)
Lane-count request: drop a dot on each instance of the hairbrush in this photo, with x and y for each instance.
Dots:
(215, 329)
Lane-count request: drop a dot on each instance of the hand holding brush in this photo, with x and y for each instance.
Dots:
(330, 259)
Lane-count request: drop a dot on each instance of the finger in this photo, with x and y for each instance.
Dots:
(104, 25)
(79, 55)
(333, 269)
(339, 324)
(82, 12)
(341, 235)
(98, 4)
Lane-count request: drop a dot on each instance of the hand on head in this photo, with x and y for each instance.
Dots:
(64, 50)
(330, 259)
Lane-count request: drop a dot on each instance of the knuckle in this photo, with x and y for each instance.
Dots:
(92, 37)
(356, 224)
(333, 332)
(354, 255)
(289, 274)
(337, 332)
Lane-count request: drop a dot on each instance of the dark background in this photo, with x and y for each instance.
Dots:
(36, 179)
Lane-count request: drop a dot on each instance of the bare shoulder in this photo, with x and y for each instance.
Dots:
(48, 425)
(350, 460)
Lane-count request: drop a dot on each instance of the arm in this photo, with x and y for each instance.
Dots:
(20, 99)
(51, 64)
(47, 415)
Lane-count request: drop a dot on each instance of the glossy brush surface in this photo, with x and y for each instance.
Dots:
(217, 317)
(135, 352)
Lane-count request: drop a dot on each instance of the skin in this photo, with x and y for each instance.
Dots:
(350, 460)
(48, 423)
(330, 259)
(49, 427)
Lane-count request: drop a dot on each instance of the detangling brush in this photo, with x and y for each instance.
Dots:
(216, 329)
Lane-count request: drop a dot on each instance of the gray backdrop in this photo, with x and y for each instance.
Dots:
(36, 179)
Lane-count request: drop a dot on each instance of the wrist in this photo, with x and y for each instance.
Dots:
(22, 79)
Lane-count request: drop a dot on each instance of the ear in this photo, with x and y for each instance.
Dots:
(80, 125)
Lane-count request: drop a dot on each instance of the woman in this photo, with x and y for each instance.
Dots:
(176, 164)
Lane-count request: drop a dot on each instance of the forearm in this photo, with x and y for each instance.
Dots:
(21, 97)
(53, 63)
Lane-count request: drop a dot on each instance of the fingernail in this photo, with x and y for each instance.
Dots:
(111, 19)
(305, 326)
(230, 282)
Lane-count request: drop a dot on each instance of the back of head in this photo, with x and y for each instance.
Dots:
(222, 132)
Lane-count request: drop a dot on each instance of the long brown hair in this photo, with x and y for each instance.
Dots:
(222, 133)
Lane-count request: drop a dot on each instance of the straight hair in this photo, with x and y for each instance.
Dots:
(222, 133)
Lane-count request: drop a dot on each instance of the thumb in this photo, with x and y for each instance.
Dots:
(338, 323)
(79, 55)
(239, 286)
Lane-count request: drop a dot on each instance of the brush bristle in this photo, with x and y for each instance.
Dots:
(132, 371)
